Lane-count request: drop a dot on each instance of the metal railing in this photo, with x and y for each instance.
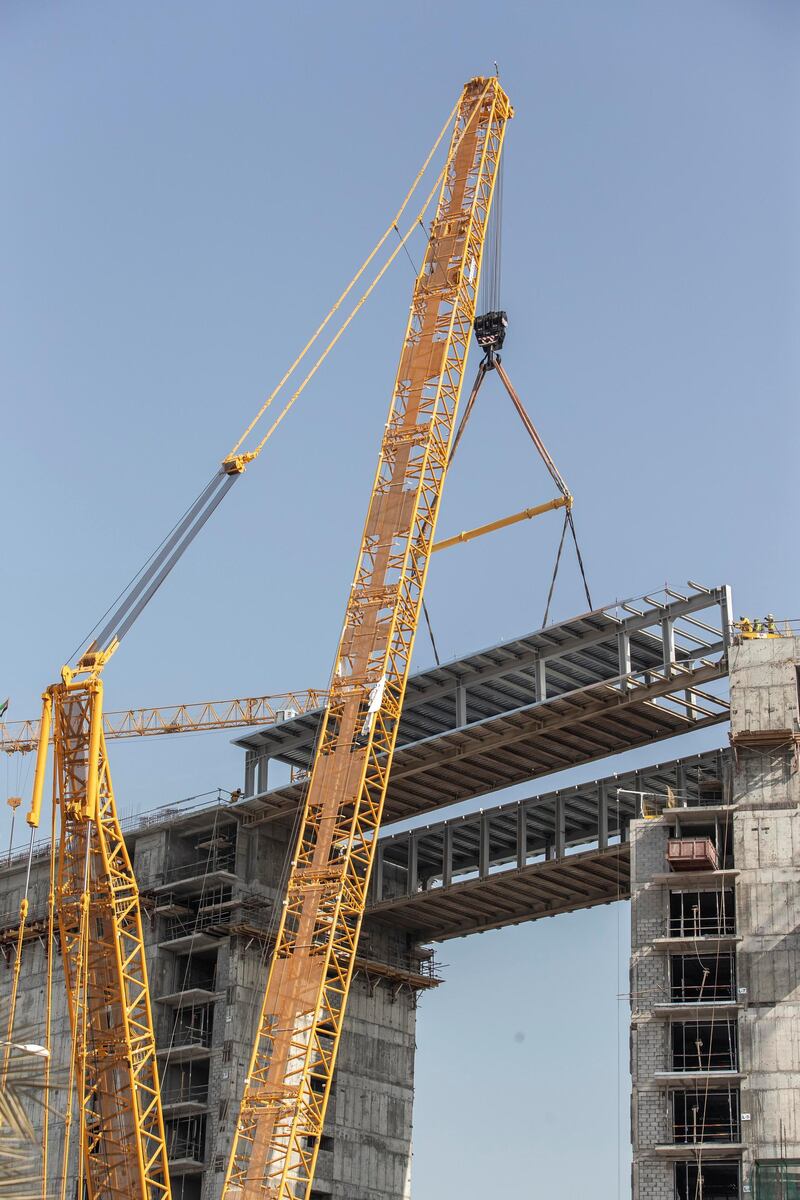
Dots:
(691, 922)
(189, 1093)
(695, 1130)
(182, 1147)
(706, 992)
(705, 1117)
(200, 983)
(166, 814)
(224, 861)
(691, 1062)
(194, 1031)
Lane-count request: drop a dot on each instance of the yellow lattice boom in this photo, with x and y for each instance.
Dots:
(286, 1092)
(22, 737)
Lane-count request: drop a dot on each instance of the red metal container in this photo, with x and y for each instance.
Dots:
(692, 854)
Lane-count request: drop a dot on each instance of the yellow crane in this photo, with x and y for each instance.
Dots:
(94, 902)
(286, 1092)
(22, 737)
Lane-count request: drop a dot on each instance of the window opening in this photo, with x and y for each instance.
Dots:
(705, 1116)
(704, 1045)
(695, 914)
(711, 1181)
(703, 978)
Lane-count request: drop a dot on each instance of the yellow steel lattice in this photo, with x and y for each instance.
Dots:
(118, 1123)
(286, 1092)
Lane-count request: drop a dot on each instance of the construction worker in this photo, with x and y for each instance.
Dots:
(758, 627)
(745, 626)
(772, 628)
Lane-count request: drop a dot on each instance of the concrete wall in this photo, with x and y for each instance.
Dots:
(366, 1152)
(767, 853)
(649, 976)
(763, 788)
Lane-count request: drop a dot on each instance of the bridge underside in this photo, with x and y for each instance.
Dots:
(555, 853)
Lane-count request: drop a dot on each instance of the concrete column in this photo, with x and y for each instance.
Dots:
(766, 848)
(461, 705)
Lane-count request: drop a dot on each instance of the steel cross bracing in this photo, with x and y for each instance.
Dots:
(120, 1126)
(286, 1092)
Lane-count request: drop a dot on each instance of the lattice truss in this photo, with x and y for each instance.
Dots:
(119, 1122)
(287, 1089)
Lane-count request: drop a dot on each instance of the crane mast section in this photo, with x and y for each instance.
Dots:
(288, 1085)
(120, 1129)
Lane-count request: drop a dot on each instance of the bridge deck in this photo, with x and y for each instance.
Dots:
(592, 687)
(547, 854)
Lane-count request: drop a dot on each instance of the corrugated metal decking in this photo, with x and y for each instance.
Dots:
(592, 687)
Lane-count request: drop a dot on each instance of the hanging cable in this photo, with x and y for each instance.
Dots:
(483, 368)
(414, 267)
(555, 569)
(354, 311)
(337, 304)
(580, 559)
(129, 604)
(491, 273)
(417, 220)
(430, 633)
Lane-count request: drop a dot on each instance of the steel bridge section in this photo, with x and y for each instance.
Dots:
(595, 686)
(558, 852)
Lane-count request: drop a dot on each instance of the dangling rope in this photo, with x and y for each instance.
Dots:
(580, 559)
(555, 569)
(430, 633)
(557, 478)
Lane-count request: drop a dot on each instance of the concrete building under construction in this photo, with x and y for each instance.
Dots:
(703, 845)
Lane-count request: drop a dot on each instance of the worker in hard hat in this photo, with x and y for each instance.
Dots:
(772, 628)
(758, 627)
(745, 626)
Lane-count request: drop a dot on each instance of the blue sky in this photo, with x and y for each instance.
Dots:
(186, 187)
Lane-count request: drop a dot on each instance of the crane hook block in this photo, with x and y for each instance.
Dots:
(490, 331)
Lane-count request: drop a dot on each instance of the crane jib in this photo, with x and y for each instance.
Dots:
(162, 563)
